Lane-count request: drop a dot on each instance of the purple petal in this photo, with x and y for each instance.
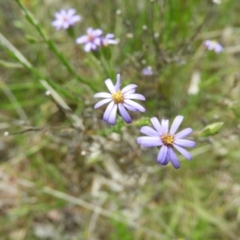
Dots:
(112, 117)
(165, 123)
(71, 12)
(110, 86)
(134, 96)
(63, 12)
(65, 25)
(108, 111)
(166, 161)
(89, 31)
(135, 105)
(118, 83)
(102, 95)
(94, 47)
(185, 143)
(157, 125)
(149, 141)
(74, 19)
(207, 43)
(97, 32)
(176, 123)
(173, 158)
(97, 41)
(102, 102)
(129, 107)
(87, 47)
(109, 41)
(184, 133)
(128, 88)
(123, 112)
(82, 39)
(183, 151)
(109, 36)
(218, 48)
(162, 155)
(149, 131)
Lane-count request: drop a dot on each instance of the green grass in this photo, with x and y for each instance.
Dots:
(93, 181)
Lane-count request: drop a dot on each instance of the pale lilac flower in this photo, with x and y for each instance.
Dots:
(167, 139)
(147, 71)
(92, 40)
(119, 100)
(65, 19)
(213, 45)
(108, 39)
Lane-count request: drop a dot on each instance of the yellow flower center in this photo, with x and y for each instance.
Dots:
(118, 97)
(167, 139)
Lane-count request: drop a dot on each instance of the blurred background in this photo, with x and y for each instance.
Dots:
(67, 175)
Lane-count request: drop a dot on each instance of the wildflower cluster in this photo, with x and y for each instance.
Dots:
(93, 39)
(121, 100)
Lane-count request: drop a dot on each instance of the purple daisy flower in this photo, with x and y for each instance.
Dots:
(119, 100)
(65, 19)
(213, 45)
(167, 139)
(108, 39)
(92, 40)
(147, 71)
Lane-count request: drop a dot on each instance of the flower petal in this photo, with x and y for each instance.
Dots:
(183, 151)
(110, 86)
(82, 39)
(176, 123)
(173, 158)
(112, 117)
(162, 155)
(71, 12)
(134, 96)
(129, 107)
(102, 95)
(184, 133)
(165, 123)
(87, 47)
(102, 102)
(118, 83)
(97, 32)
(157, 125)
(108, 111)
(123, 112)
(185, 143)
(128, 88)
(149, 131)
(149, 141)
(135, 105)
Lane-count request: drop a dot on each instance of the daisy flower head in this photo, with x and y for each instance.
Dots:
(167, 139)
(147, 71)
(65, 19)
(213, 45)
(108, 39)
(92, 40)
(119, 100)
